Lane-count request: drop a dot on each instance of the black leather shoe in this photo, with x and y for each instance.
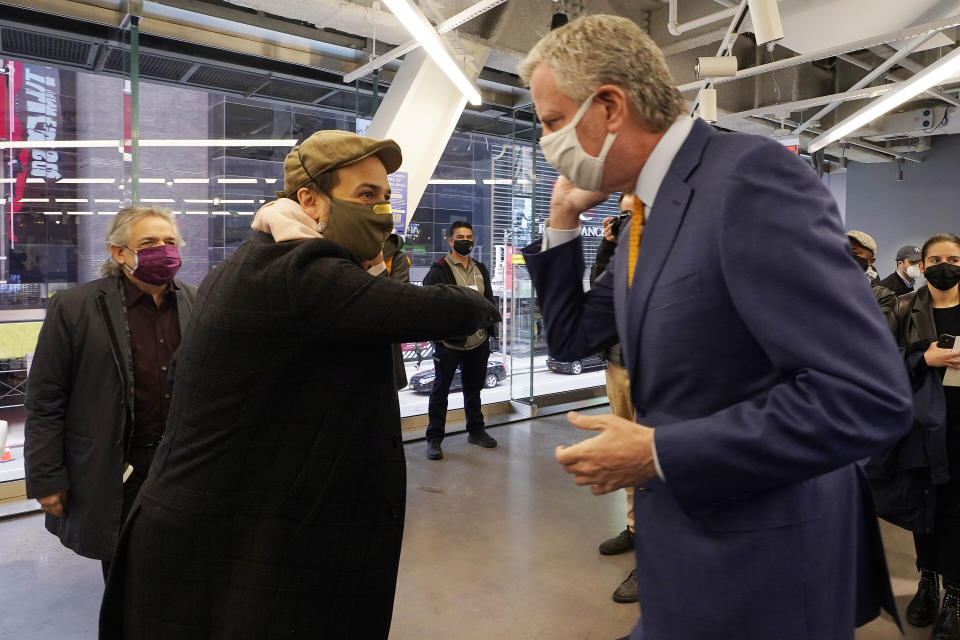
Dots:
(434, 452)
(481, 439)
(947, 626)
(620, 543)
(922, 610)
(627, 591)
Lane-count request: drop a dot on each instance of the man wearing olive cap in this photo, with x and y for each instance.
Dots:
(274, 507)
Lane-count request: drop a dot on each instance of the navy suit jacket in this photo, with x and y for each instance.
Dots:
(757, 351)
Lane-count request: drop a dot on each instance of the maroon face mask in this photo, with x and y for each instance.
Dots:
(156, 265)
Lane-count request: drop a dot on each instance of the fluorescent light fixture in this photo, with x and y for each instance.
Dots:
(943, 69)
(57, 144)
(157, 200)
(71, 200)
(414, 22)
(236, 202)
(107, 213)
(52, 213)
(34, 180)
(79, 213)
(446, 26)
(107, 200)
(198, 200)
(445, 181)
(191, 180)
(86, 181)
(244, 213)
(498, 181)
(152, 181)
(270, 180)
(268, 142)
(119, 144)
(220, 213)
(236, 181)
(197, 213)
(34, 199)
(7, 180)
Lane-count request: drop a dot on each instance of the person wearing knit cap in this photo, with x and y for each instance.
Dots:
(275, 505)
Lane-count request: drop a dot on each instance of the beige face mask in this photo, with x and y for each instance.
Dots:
(360, 228)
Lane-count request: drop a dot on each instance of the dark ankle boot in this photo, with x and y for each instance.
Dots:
(947, 626)
(922, 610)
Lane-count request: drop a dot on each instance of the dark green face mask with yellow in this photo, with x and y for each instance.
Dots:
(360, 228)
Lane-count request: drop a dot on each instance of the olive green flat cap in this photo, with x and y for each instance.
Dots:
(328, 150)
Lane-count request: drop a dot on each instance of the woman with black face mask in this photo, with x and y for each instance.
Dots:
(917, 480)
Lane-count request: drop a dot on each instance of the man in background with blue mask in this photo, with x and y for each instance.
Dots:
(756, 522)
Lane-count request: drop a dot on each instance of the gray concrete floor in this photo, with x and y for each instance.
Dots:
(499, 543)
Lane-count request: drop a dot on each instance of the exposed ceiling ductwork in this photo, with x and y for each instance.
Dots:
(835, 57)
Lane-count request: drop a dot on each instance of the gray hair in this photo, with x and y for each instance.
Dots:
(603, 49)
(118, 233)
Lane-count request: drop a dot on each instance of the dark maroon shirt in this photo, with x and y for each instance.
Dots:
(154, 336)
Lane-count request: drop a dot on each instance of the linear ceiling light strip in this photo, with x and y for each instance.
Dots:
(444, 27)
(946, 67)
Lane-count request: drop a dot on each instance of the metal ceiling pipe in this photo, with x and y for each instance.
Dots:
(865, 43)
(676, 29)
(888, 63)
(893, 76)
(870, 77)
(886, 51)
(878, 150)
(809, 103)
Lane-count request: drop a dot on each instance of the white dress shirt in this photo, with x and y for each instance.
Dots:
(647, 187)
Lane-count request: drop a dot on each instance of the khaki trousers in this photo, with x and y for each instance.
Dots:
(621, 405)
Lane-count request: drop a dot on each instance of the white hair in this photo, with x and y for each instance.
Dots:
(118, 234)
(603, 49)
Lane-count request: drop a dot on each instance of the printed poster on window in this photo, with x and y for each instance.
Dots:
(398, 200)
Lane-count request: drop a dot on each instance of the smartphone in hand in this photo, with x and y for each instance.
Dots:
(951, 378)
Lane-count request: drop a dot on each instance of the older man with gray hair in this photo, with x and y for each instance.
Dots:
(755, 523)
(99, 388)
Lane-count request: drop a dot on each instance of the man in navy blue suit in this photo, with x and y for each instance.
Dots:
(746, 372)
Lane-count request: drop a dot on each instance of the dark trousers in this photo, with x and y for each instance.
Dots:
(473, 372)
(140, 458)
(939, 550)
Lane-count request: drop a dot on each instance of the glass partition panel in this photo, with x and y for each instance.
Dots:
(65, 165)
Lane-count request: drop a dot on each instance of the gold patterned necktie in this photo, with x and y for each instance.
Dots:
(637, 222)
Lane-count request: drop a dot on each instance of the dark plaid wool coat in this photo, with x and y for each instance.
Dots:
(275, 504)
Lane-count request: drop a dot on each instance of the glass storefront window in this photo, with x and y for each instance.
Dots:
(214, 160)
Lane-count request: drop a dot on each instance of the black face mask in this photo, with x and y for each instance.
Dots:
(862, 262)
(463, 247)
(943, 276)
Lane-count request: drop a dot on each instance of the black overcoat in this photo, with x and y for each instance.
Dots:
(275, 504)
(79, 411)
